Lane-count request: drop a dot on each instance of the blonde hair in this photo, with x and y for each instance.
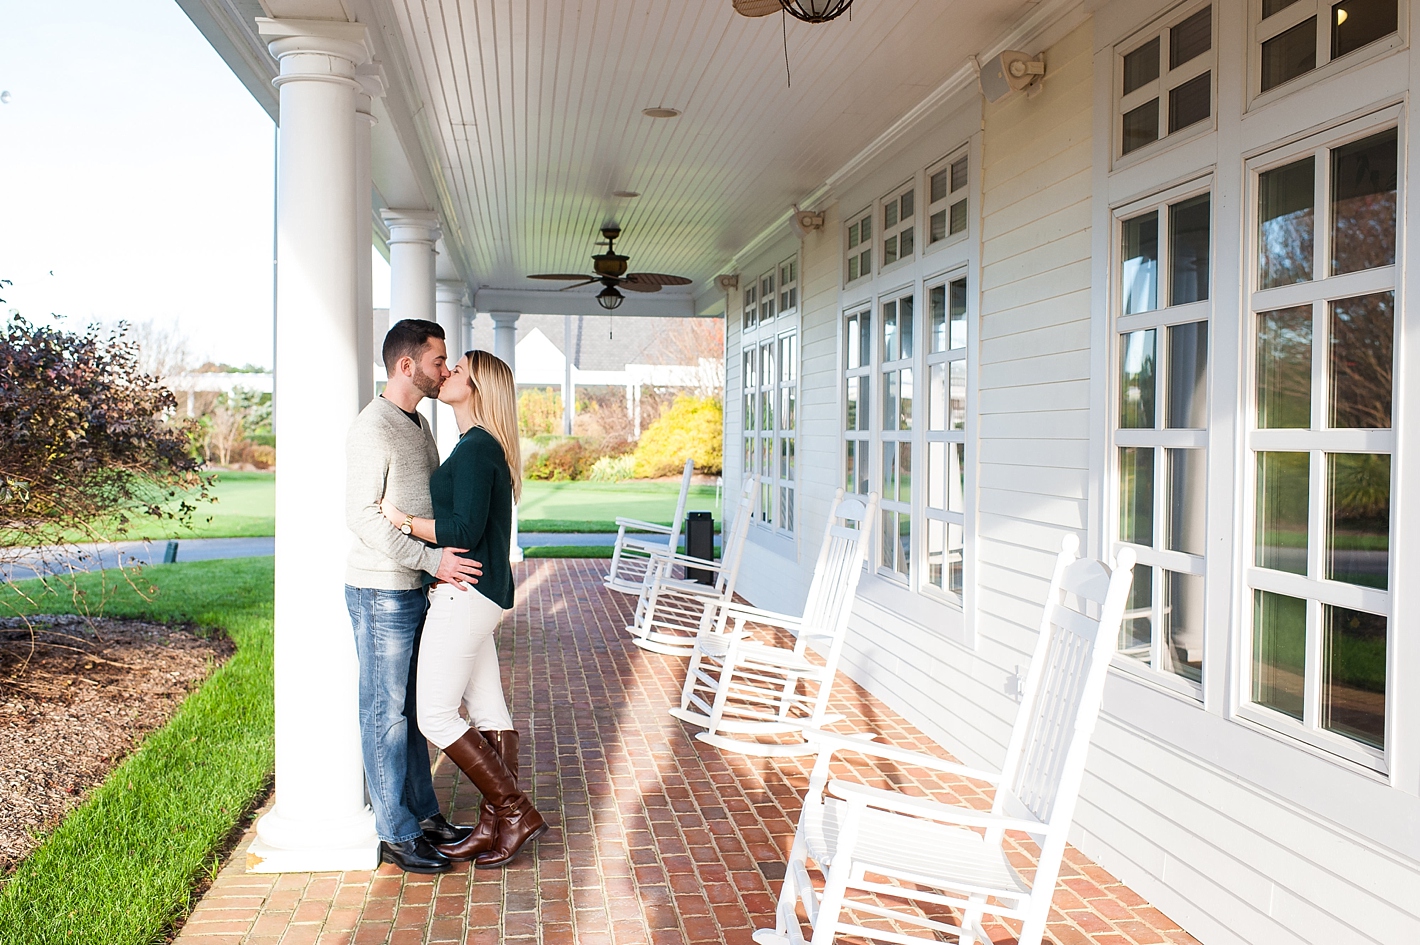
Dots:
(495, 408)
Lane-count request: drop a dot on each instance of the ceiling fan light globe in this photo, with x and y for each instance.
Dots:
(609, 298)
(816, 11)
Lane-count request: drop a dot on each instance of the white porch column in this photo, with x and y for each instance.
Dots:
(467, 322)
(412, 237)
(569, 392)
(505, 346)
(320, 821)
(372, 86)
(448, 309)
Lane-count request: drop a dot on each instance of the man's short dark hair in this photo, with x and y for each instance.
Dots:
(407, 338)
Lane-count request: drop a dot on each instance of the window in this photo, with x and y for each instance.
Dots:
(946, 435)
(859, 262)
(1165, 80)
(1324, 311)
(947, 206)
(857, 401)
(1161, 431)
(770, 366)
(899, 227)
(896, 345)
(1296, 37)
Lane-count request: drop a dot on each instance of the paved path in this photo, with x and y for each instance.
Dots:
(656, 839)
(94, 557)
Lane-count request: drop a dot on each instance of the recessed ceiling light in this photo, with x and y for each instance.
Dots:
(661, 112)
(625, 193)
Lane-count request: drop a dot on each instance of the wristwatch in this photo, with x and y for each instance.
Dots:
(407, 526)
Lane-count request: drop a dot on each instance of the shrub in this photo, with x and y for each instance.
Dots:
(539, 411)
(613, 468)
(692, 427)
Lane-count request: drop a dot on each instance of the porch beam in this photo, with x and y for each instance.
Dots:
(552, 302)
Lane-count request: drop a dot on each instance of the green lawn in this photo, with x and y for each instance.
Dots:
(594, 506)
(120, 869)
(245, 508)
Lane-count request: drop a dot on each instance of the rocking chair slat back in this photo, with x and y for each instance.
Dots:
(1065, 682)
(678, 520)
(839, 567)
(734, 542)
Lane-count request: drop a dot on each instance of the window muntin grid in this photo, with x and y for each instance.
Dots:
(897, 342)
(1296, 38)
(1164, 80)
(945, 435)
(1322, 331)
(899, 226)
(1160, 453)
(858, 261)
(947, 205)
(770, 379)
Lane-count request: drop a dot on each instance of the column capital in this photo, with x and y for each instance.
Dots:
(411, 226)
(505, 319)
(449, 290)
(371, 80)
(316, 50)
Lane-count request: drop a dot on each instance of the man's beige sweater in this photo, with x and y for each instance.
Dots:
(387, 455)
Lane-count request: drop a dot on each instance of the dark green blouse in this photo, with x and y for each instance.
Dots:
(473, 508)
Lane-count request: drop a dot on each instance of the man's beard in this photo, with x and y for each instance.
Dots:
(428, 386)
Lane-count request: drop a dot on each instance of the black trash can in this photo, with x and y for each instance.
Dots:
(700, 543)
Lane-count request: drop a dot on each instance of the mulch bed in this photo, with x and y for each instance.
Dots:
(76, 696)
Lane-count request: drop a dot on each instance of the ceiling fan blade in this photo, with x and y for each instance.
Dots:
(638, 286)
(757, 7)
(561, 276)
(578, 285)
(657, 278)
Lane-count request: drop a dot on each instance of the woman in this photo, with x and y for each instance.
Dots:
(473, 494)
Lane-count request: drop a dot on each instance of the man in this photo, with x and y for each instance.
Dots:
(390, 452)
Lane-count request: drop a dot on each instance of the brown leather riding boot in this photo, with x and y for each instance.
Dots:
(505, 743)
(518, 822)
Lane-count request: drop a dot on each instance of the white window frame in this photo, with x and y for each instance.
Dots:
(890, 236)
(948, 435)
(1316, 591)
(774, 328)
(858, 250)
(1260, 31)
(1167, 80)
(948, 203)
(1157, 557)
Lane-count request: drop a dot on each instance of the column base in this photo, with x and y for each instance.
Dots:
(264, 858)
(287, 846)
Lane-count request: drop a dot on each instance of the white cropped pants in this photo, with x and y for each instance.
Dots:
(458, 666)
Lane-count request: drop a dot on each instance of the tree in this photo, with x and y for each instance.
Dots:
(87, 440)
(234, 417)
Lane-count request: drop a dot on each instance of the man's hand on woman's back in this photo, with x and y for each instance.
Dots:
(456, 570)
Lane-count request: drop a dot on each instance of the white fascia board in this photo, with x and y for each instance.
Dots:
(553, 302)
(229, 26)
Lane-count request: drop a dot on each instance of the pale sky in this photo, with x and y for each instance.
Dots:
(138, 170)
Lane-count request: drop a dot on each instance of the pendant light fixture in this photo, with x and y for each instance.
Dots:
(609, 298)
(816, 11)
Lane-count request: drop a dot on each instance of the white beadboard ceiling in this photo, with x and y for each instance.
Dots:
(535, 106)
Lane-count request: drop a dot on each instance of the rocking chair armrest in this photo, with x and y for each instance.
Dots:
(933, 810)
(839, 742)
(641, 526)
(664, 555)
(642, 545)
(746, 612)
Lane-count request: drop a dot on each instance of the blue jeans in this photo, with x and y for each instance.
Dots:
(388, 625)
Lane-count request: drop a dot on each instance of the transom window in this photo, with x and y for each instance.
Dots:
(947, 207)
(899, 226)
(859, 261)
(1165, 80)
(1296, 37)
(1323, 325)
(1161, 431)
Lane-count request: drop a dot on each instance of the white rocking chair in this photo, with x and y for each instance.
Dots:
(671, 611)
(739, 686)
(631, 555)
(947, 855)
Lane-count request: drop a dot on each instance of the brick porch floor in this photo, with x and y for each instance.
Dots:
(656, 838)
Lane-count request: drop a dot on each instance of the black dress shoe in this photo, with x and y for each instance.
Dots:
(438, 830)
(414, 856)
